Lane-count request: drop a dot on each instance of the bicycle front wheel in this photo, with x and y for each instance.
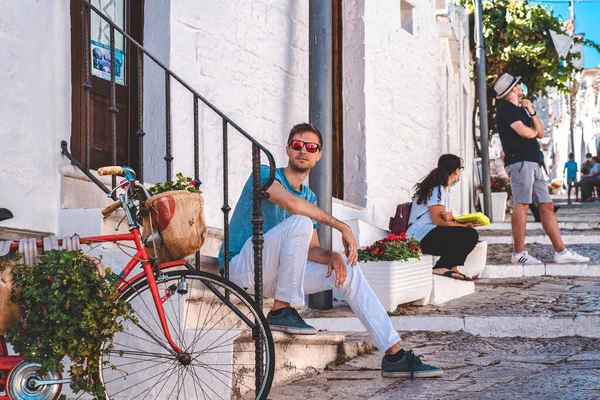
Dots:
(223, 336)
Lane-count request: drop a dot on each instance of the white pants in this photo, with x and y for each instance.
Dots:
(288, 277)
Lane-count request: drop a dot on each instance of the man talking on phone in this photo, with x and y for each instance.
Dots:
(519, 128)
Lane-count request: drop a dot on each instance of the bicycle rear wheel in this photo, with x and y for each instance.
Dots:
(222, 338)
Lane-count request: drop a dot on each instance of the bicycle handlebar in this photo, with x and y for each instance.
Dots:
(112, 170)
(109, 209)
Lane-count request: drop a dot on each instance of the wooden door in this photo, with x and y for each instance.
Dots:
(337, 161)
(128, 15)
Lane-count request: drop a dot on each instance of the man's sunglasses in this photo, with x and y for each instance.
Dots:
(299, 144)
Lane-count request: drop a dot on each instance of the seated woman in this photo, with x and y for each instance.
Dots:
(432, 222)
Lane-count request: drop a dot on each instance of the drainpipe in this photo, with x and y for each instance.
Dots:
(483, 122)
(320, 94)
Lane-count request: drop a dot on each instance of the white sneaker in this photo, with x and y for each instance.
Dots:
(524, 258)
(570, 257)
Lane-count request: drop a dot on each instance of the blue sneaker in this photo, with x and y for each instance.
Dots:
(290, 321)
(409, 366)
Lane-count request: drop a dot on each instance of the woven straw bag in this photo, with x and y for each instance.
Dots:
(178, 216)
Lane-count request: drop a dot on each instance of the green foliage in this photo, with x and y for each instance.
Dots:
(182, 183)
(391, 248)
(517, 40)
(69, 310)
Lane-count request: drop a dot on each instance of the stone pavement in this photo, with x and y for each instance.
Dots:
(474, 368)
(501, 253)
(527, 334)
(514, 296)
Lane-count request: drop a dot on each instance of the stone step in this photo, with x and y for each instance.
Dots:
(547, 269)
(500, 254)
(534, 326)
(528, 307)
(568, 239)
(298, 356)
(78, 191)
(445, 289)
(345, 211)
(587, 224)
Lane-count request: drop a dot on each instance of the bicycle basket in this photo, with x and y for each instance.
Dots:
(178, 216)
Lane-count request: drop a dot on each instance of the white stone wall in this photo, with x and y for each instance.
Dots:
(588, 112)
(402, 109)
(586, 127)
(401, 95)
(250, 59)
(35, 109)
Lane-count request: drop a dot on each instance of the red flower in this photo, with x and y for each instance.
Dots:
(49, 278)
(392, 237)
(43, 308)
(403, 236)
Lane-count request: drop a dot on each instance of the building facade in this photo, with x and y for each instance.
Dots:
(403, 96)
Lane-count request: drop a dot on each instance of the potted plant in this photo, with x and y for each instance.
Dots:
(397, 271)
(176, 212)
(499, 189)
(68, 306)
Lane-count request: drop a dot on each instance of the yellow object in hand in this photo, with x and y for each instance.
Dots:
(476, 218)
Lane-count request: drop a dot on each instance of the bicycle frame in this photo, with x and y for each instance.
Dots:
(8, 363)
(148, 271)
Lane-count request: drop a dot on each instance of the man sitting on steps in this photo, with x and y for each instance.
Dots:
(294, 263)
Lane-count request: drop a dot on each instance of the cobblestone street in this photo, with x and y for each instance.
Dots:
(474, 368)
(526, 337)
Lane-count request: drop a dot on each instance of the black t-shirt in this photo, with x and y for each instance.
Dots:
(516, 148)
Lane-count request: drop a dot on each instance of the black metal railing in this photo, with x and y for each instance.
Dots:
(259, 191)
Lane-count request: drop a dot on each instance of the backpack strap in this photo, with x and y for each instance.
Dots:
(416, 219)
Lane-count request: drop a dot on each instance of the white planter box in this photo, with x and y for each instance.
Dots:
(498, 205)
(399, 282)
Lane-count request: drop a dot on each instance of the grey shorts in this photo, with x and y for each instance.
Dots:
(527, 183)
(572, 181)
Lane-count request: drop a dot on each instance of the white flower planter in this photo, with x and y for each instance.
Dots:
(399, 282)
(498, 205)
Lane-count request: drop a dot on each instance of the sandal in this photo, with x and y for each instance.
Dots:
(453, 274)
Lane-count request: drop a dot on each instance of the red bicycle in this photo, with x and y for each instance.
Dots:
(195, 335)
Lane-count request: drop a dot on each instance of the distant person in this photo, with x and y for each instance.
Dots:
(591, 180)
(519, 128)
(431, 220)
(587, 164)
(571, 167)
(497, 169)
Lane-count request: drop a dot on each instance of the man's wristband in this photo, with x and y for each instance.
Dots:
(534, 114)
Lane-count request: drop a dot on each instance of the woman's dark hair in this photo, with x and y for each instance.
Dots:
(447, 164)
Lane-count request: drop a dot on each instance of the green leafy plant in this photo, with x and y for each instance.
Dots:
(391, 248)
(517, 40)
(67, 309)
(182, 183)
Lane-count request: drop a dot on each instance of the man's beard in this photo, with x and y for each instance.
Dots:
(299, 169)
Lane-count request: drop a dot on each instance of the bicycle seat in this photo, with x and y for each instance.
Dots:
(5, 214)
